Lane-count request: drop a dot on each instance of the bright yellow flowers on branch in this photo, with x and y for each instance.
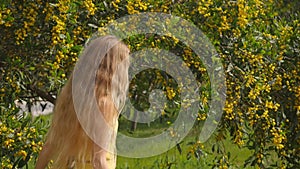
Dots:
(257, 40)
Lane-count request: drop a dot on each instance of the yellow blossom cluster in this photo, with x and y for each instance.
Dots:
(201, 116)
(278, 137)
(64, 40)
(224, 24)
(76, 32)
(238, 139)
(18, 142)
(258, 50)
(170, 93)
(58, 30)
(21, 153)
(48, 10)
(196, 148)
(259, 157)
(5, 18)
(229, 110)
(90, 6)
(60, 22)
(203, 7)
(136, 6)
(11, 80)
(242, 13)
(30, 13)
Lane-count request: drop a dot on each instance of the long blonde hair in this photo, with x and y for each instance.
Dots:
(66, 134)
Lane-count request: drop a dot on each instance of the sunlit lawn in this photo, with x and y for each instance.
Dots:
(173, 158)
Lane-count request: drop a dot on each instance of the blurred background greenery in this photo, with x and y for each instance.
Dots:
(258, 42)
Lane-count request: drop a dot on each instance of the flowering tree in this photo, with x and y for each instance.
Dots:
(257, 40)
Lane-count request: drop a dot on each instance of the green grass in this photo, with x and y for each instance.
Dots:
(173, 159)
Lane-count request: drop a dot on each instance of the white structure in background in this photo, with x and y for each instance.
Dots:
(37, 108)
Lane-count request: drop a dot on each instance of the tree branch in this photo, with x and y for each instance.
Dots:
(42, 94)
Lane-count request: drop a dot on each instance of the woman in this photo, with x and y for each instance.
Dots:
(69, 143)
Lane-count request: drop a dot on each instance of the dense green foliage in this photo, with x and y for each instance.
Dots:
(257, 40)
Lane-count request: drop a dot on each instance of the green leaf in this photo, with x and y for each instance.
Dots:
(31, 68)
